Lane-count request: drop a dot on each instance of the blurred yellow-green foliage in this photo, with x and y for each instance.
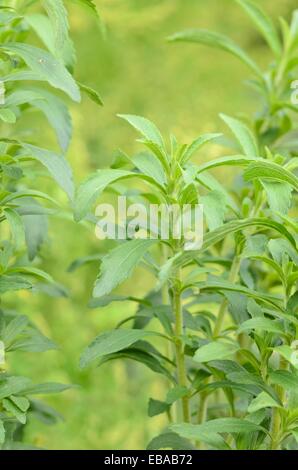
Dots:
(180, 87)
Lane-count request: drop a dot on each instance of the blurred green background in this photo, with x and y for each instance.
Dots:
(182, 88)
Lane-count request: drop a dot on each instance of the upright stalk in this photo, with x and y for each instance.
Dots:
(166, 301)
(179, 346)
(276, 423)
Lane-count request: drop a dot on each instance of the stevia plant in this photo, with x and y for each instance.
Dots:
(31, 78)
(274, 132)
(237, 362)
(234, 378)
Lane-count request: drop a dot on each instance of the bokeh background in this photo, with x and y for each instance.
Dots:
(182, 88)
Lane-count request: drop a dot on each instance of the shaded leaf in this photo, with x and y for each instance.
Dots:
(46, 66)
(111, 342)
(118, 265)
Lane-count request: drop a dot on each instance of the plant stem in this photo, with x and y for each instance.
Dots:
(276, 423)
(202, 411)
(179, 347)
(166, 301)
(275, 429)
(164, 289)
(202, 414)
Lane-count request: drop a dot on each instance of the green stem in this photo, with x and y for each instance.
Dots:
(202, 414)
(275, 429)
(179, 348)
(166, 301)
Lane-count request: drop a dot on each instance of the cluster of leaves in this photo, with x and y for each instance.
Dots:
(31, 79)
(227, 313)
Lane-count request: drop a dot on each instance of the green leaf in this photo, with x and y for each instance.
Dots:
(57, 115)
(27, 193)
(13, 386)
(279, 196)
(36, 229)
(93, 186)
(79, 262)
(255, 246)
(285, 379)
(220, 425)
(32, 271)
(45, 388)
(54, 109)
(243, 134)
(218, 41)
(261, 323)
(197, 433)
(166, 271)
(46, 66)
(211, 183)
(2, 432)
(237, 306)
(156, 407)
(57, 166)
(91, 93)
(14, 328)
(278, 247)
(90, 5)
(218, 286)
(145, 127)
(294, 433)
(9, 406)
(111, 342)
(118, 265)
(263, 23)
(175, 394)
(215, 207)
(196, 145)
(237, 225)
(271, 264)
(32, 340)
(149, 165)
(42, 26)
(235, 160)
(12, 283)
(271, 171)
(263, 400)
(58, 16)
(169, 440)
(215, 350)
(138, 354)
(12, 171)
(21, 402)
(290, 354)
